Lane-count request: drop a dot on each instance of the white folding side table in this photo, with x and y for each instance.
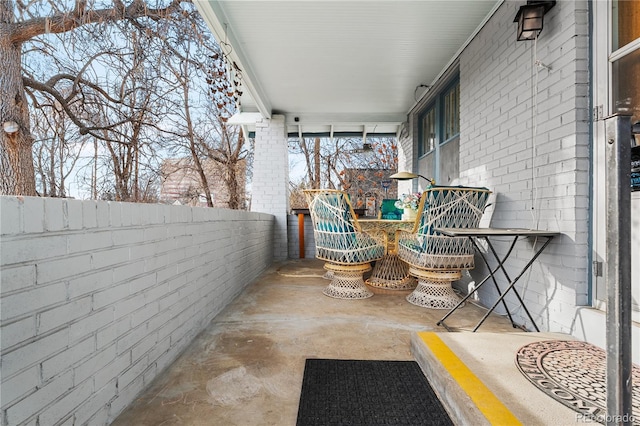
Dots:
(486, 234)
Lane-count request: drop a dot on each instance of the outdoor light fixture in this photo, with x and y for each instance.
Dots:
(409, 175)
(530, 18)
(10, 127)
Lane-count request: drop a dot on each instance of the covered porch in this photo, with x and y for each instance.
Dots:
(90, 318)
(246, 367)
(471, 103)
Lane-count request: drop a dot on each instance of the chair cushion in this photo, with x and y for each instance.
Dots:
(340, 202)
(444, 207)
(336, 237)
(449, 214)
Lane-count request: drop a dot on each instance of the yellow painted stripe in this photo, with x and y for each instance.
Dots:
(490, 406)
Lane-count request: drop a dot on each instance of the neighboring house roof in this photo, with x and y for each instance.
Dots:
(181, 182)
(368, 187)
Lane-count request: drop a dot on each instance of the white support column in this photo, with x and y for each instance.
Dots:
(406, 158)
(270, 192)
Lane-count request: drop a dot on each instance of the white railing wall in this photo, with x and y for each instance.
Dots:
(97, 298)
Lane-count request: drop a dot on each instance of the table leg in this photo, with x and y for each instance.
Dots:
(391, 273)
(500, 266)
(504, 271)
(512, 285)
(491, 275)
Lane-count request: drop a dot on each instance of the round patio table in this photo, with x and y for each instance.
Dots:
(390, 272)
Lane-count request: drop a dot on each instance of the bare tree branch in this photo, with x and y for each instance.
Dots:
(64, 22)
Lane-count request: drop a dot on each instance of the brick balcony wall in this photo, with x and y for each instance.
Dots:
(97, 298)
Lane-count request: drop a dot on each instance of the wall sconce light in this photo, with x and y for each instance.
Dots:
(10, 127)
(530, 18)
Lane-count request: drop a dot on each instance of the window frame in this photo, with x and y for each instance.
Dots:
(437, 104)
(422, 141)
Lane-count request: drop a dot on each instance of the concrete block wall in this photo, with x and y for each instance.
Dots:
(525, 135)
(97, 298)
(270, 183)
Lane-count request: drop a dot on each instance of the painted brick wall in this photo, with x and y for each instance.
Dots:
(525, 135)
(97, 298)
(270, 183)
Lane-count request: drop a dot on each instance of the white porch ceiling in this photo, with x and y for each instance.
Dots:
(341, 66)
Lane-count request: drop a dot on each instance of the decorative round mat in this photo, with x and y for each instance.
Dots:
(574, 374)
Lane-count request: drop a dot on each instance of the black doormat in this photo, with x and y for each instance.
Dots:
(349, 392)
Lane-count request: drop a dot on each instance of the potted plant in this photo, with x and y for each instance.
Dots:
(409, 202)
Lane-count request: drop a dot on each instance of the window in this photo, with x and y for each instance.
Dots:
(616, 89)
(428, 131)
(439, 135)
(451, 119)
(626, 62)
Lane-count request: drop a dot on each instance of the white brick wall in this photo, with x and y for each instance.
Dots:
(269, 188)
(97, 298)
(542, 181)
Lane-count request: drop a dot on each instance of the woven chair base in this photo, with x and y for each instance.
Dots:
(434, 289)
(392, 274)
(328, 275)
(347, 282)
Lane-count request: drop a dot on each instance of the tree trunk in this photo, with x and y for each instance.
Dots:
(94, 174)
(231, 177)
(52, 171)
(316, 163)
(231, 180)
(17, 176)
(307, 159)
(192, 144)
(62, 192)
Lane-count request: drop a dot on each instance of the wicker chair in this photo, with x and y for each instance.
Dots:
(340, 242)
(437, 260)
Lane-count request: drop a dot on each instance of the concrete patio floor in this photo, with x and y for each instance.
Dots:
(246, 367)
